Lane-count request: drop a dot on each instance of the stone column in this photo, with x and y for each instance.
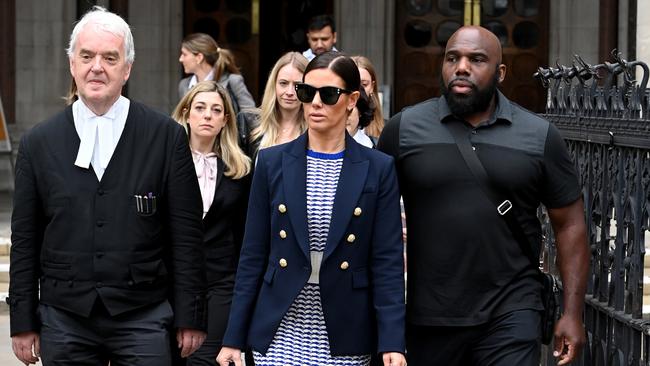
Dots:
(642, 35)
(573, 29)
(157, 32)
(367, 27)
(42, 68)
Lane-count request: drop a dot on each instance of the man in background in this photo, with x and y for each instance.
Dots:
(321, 35)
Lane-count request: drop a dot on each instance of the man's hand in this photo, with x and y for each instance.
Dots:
(569, 339)
(189, 340)
(27, 347)
(394, 359)
(228, 355)
(573, 261)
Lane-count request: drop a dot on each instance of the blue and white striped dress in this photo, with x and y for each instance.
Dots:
(301, 338)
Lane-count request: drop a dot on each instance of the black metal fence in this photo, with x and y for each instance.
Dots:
(602, 111)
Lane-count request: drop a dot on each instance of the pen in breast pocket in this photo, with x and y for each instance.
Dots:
(152, 199)
(137, 203)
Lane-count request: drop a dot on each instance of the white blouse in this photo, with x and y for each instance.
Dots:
(206, 171)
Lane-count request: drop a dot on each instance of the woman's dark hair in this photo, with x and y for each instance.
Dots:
(340, 64)
(366, 108)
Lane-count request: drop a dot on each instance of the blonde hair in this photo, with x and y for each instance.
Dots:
(221, 60)
(71, 96)
(225, 63)
(226, 145)
(270, 113)
(377, 124)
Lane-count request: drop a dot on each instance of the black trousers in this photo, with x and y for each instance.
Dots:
(510, 339)
(136, 338)
(219, 301)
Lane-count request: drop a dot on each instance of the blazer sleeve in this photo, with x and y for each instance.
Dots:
(253, 259)
(387, 265)
(186, 234)
(27, 227)
(239, 221)
(239, 89)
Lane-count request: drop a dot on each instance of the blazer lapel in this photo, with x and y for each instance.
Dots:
(294, 179)
(351, 182)
(220, 168)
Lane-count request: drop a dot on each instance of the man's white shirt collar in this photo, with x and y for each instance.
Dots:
(99, 135)
(309, 54)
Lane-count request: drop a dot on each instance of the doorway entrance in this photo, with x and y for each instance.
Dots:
(424, 26)
(257, 32)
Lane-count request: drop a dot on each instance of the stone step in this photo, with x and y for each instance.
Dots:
(4, 292)
(4, 269)
(4, 262)
(5, 245)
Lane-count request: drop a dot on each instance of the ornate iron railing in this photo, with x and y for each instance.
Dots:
(602, 112)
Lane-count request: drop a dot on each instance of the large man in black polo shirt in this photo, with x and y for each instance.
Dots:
(473, 294)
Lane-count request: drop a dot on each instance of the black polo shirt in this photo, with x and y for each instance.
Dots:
(464, 266)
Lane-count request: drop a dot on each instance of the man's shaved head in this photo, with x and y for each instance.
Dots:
(471, 72)
(478, 35)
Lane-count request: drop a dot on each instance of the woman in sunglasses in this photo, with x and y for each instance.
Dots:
(223, 170)
(320, 277)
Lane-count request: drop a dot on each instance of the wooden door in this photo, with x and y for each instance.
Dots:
(257, 31)
(234, 25)
(283, 28)
(424, 26)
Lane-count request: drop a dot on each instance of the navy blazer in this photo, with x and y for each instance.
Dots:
(363, 299)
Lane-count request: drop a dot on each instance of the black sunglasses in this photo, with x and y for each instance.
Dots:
(328, 94)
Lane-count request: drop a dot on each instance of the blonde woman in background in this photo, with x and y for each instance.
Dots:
(205, 60)
(369, 84)
(280, 118)
(223, 172)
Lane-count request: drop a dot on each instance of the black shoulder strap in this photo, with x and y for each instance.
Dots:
(243, 131)
(503, 206)
(233, 97)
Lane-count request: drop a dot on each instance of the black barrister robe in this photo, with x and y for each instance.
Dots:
(81, 239)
